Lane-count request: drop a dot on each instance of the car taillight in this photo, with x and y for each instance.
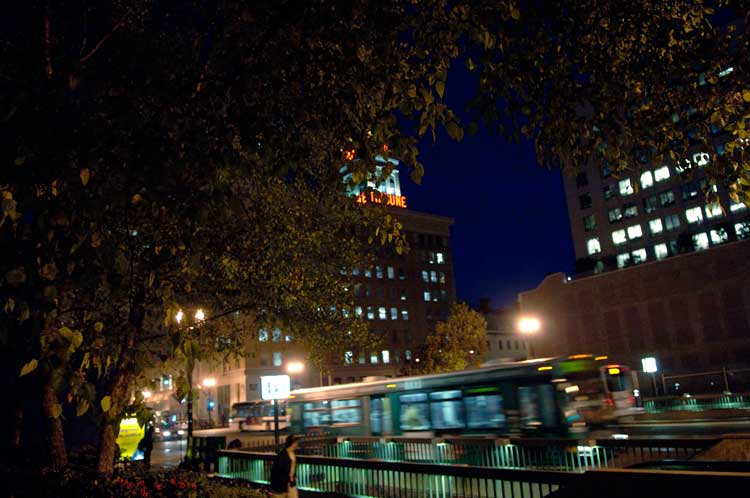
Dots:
(631, 400)
(608, 402)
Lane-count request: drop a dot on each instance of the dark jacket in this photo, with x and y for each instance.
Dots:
(282, 467)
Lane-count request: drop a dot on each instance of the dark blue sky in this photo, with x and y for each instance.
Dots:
(511, 223)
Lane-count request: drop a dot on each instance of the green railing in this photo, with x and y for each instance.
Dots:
(362, 478)
(698, 403)
(564, 455)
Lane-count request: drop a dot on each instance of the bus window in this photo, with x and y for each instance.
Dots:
(414, 412)
(316, 414)
(346, 411)
(484, 411)
(537, 405)
(617, 379)
(380, 416)
(447, 410)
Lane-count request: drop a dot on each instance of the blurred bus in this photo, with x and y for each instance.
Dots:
(257, 416)
(545, 396)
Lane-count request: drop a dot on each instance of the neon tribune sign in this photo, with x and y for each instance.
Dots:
(374, 197)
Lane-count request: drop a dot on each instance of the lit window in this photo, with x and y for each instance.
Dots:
(635, 232)
(386, 356)
(426, 295)
(442, 277)
(623, 260)
(263, 335)
(425, 276)
(379, 271)
(647, 179)
(694, 214)
(403, 294)
(358, 310)
(394, 313)
(368, 272)
(593, 246)
(348, 358)
(736, 206)
(666, 198)
(589, 222)
(276, 335)
(391, 273)
(626, 188)
(650, 204)
(701, 159)
(355, 272)
(404, 314)
(407, 355)
(433, 276)
(742, 230)
(631, 210)
(713, 211)
(615, 214)
(661, 174)
(619, 237)
(689, 190)
(439, 258)
(719, 236)
(639, 256)
(655, 226)
(672, 221)
(700, 241)
(382, 314)
(374, 358)
(370, 313)
(277, 359)
(660, 251)
(288, 338)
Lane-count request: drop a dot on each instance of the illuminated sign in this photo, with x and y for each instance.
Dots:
(380, 198)
(613, 371)
(649, 364)
(128, 438)
(274, 386)
(544, 368)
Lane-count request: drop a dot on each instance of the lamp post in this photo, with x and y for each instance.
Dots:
(198, 317)
(530, 326)
(208, 384)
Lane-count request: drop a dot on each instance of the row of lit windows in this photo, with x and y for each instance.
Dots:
(656, 226)
(699, 160)
(382, 313)
(275, 335)
(378, 272)
(436, 296)
(383, 356)
(433, 276)
(700, 241)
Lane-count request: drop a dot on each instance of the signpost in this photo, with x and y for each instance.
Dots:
(275, 387)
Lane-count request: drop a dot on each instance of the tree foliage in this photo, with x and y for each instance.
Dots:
(622, 84)
(459, 342)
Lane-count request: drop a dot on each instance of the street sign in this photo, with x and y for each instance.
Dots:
(275, 387)
(649, 365)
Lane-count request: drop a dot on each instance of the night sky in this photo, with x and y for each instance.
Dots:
(511, 222)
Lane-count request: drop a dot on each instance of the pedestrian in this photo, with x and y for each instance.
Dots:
(284, 470)
(147, 444)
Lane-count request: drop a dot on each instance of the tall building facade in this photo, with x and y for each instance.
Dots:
(649, 215)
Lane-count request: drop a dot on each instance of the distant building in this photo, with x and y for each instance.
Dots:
(504, 341)
(691, 312)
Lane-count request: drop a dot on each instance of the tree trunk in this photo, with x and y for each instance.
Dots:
(106, 457)
(55, 437)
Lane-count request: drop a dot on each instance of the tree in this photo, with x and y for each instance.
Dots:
(459, 342)
(622, 84)
(161, 154)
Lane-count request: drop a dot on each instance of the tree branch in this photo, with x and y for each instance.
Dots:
(101, 42)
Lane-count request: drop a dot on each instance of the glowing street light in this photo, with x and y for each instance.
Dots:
(209, 382)
(200, 315)
(295, 367)
(179, 316)
(529, 325)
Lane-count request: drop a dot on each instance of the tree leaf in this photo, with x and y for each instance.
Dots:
(440, 88)
(98, 326)
(82, 407)
(56, 410)
(85, 174)
(106, 403)
(29, 367)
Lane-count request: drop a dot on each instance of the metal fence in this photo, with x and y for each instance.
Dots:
(698, 403)
(354, 477)
(563, 455)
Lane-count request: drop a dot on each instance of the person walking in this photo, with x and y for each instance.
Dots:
(146, 444)
(284, 470)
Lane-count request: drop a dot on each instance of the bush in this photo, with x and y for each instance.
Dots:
(131, 483)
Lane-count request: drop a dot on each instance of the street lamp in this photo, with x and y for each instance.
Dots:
(529, 325)
(200, 315)
(295, 367)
